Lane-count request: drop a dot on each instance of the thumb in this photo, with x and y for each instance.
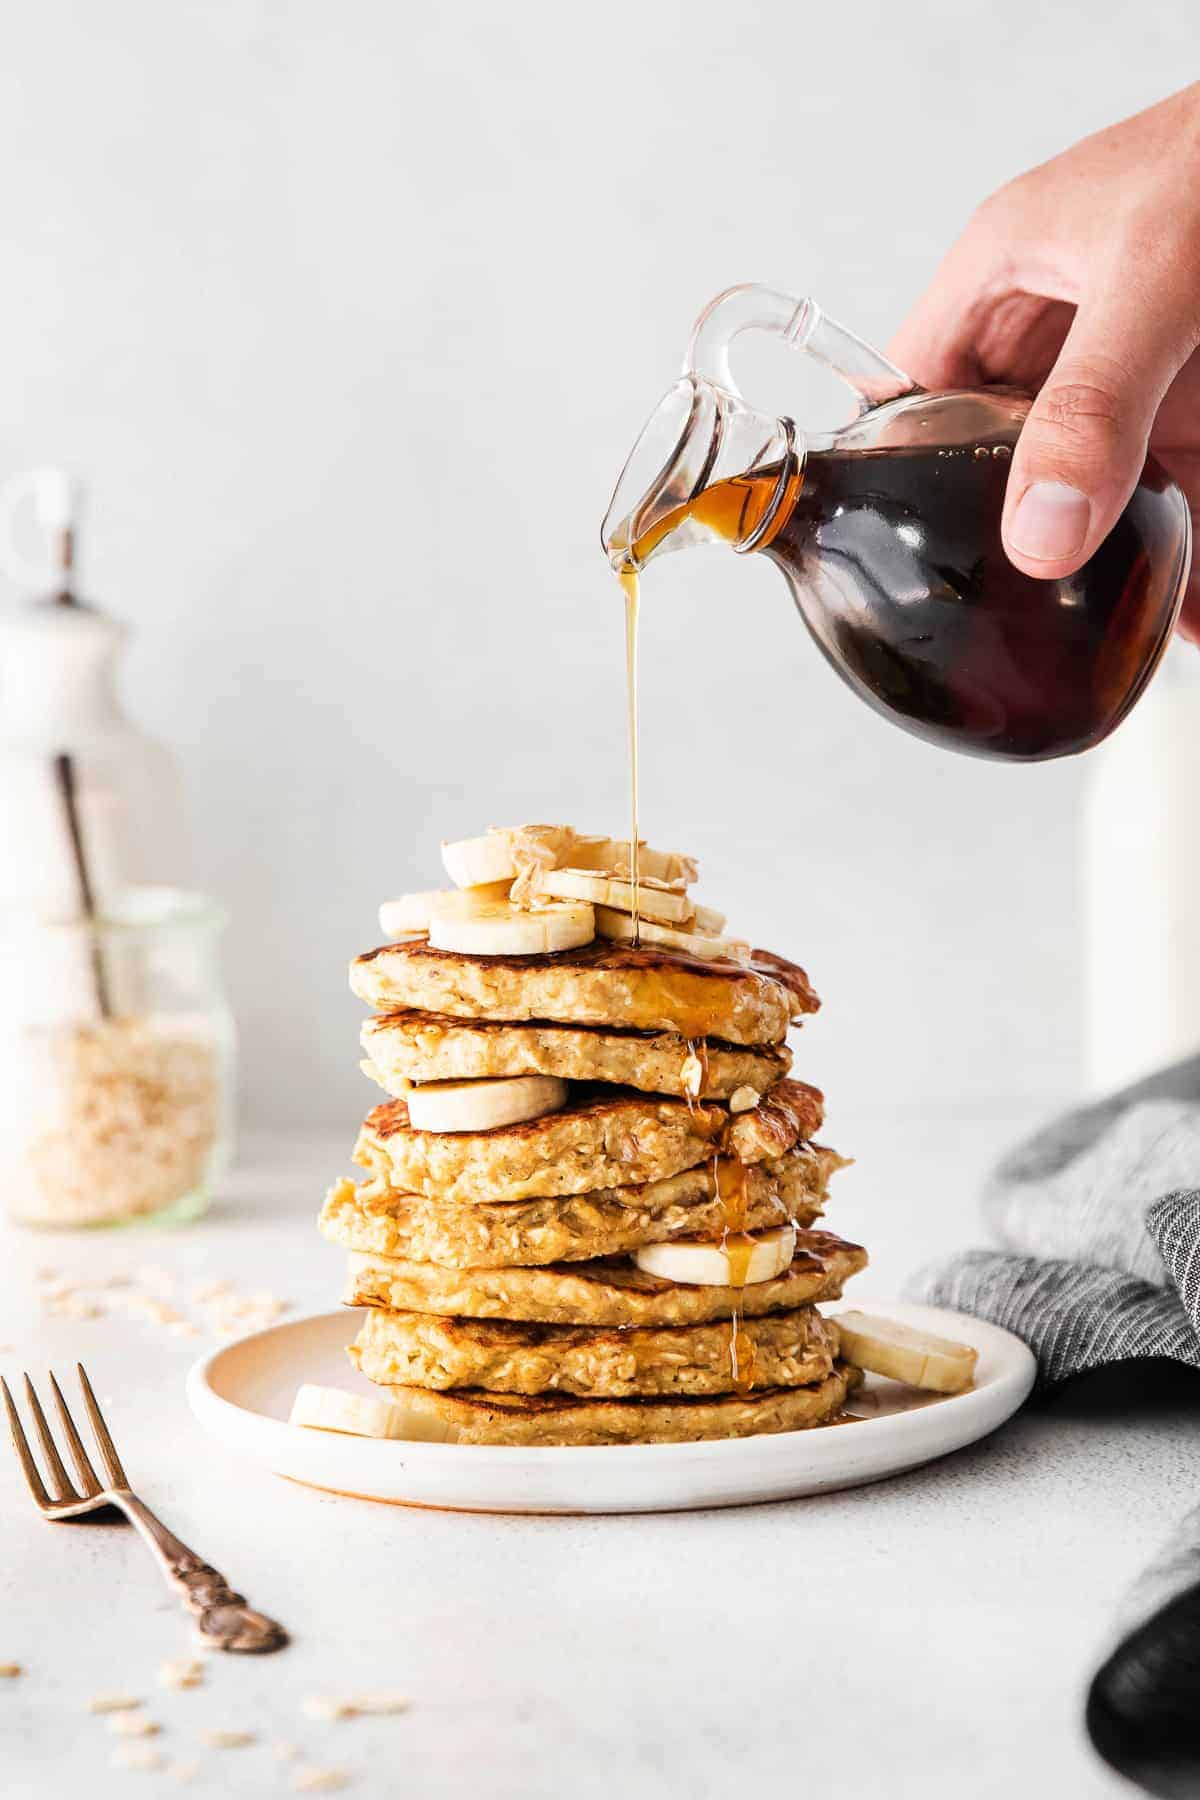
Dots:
(1082, 447)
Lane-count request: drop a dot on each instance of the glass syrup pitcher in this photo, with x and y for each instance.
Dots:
(887, 531)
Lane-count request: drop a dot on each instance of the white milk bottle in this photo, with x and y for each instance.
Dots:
(1141, 883)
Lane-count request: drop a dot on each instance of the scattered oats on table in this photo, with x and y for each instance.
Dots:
(227, 1740)
(133, 1724)
(113, 1703)
(328, 1706)
(10, 1670)
(313, 1780)
(354, 1706)
(379, 1706)
(186, 1673)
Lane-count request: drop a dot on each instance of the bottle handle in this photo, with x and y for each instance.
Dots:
(800, 323)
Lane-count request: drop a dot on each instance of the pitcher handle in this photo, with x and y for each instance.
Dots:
(800, 323)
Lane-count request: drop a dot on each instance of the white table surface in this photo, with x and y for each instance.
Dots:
(932, 1636)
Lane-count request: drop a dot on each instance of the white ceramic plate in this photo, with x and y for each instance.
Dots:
(243, 1393)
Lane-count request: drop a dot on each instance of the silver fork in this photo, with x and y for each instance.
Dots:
(223, 1621)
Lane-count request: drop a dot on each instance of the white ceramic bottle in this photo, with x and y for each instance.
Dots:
(66, 746)
(1141, 883)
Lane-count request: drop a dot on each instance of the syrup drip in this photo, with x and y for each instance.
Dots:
(695, 1082)
(733, 1190)
(732, 1182)
(678, 993)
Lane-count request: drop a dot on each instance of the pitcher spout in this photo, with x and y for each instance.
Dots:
(706, 468)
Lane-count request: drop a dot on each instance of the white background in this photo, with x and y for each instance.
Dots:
(350, 314)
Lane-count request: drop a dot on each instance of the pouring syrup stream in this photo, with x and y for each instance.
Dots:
(729, 1178)
(737, 510)
(628, 577)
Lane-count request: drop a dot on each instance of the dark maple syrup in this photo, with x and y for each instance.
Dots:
(895, 562)
(933, 625)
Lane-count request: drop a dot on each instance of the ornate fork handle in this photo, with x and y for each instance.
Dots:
(223, 1619)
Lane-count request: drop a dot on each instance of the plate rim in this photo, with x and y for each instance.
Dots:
(1015, 1380)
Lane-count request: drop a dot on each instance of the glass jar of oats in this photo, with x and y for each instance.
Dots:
(116, 1063)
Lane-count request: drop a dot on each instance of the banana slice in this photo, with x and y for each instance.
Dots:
(406, 917)
(483, 1105)
(479, 861)
(562, 847)
(361, 1415)
(888, 1348)
(497, 928)
(655, 899)
(536, 848)
(409, 916)
(619, 926)
(736, 1260)
(523, 853)
(611, 857)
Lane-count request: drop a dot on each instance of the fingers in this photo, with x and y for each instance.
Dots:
(998, 304)
(1083, 445)
(938, 342)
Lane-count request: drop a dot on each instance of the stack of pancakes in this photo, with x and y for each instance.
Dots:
(499, 1267)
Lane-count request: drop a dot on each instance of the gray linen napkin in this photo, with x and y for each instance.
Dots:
(1098, 1222)
(1097, 1219)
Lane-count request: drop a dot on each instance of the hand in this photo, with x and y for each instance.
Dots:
(1080, 282)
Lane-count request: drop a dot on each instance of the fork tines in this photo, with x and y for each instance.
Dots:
(61, 1493)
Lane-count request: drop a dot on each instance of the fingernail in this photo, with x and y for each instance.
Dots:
(1051, 521)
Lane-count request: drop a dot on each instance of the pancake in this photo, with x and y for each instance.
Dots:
(466, 1417)
(380, 1221)
(428, 1350)
(602, 1137)
(631, 987)
(607, 1291)
(409, 1046)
